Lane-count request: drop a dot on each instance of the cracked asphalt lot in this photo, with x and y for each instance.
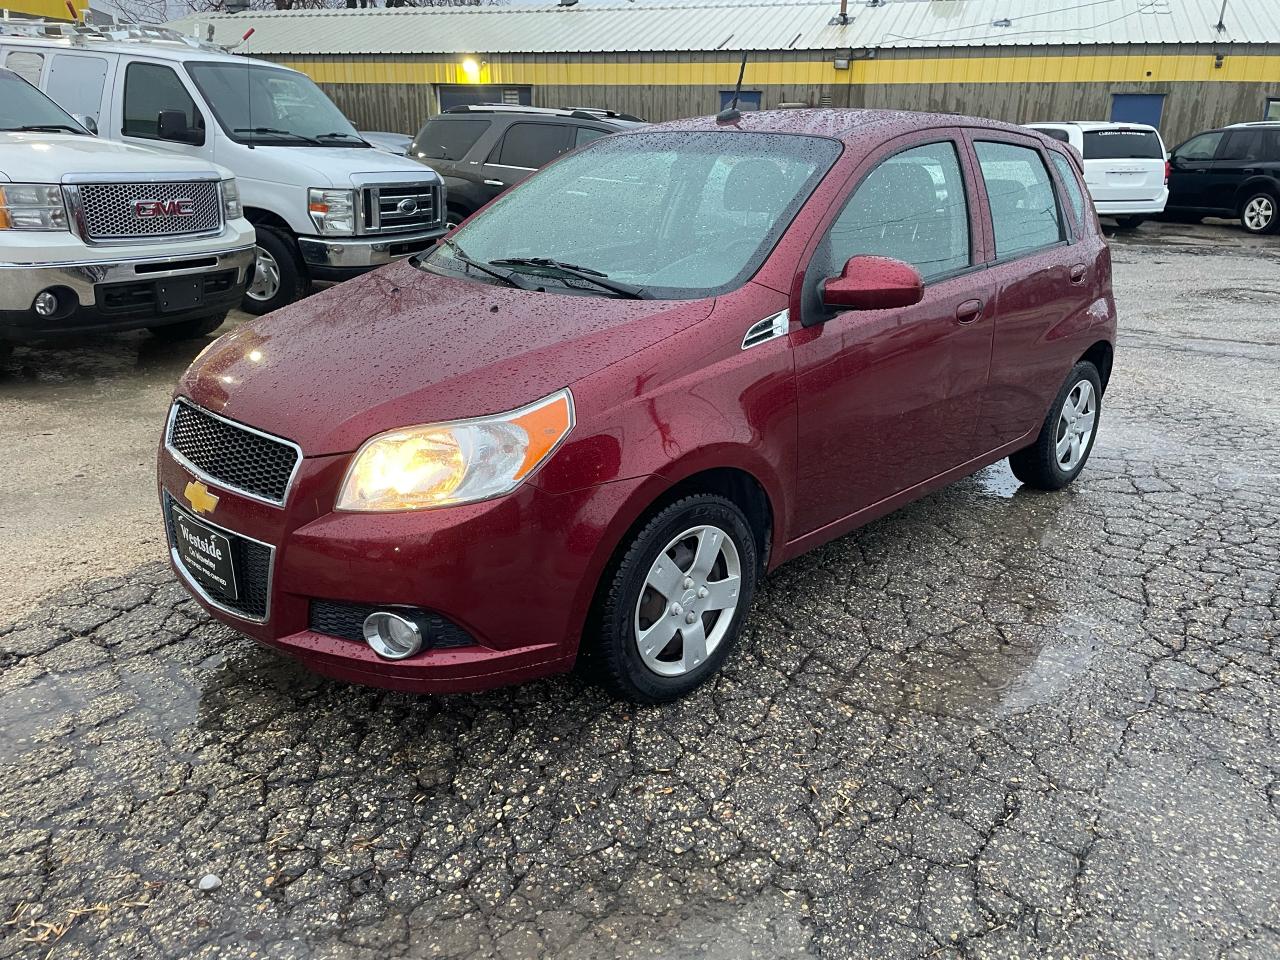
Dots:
(998, 723)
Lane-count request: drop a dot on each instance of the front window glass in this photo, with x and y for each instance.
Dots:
(1122, 145)
(23, 106)
(910, 208)
(262, 104)
(149, 90)
(1202, 147)
(680, 215)
(1024, 210)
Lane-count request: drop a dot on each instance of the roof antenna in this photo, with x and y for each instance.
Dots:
(731, 112)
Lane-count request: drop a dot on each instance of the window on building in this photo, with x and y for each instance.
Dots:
(1024, 209)
(150, 88)
(448, 139)
(1070, 183)
(747, 100)
(1272, 111)
(532, 145)
(912, 207)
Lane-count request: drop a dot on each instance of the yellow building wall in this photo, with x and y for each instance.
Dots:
(46, 9)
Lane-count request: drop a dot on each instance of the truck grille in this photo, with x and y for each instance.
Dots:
(396, 208)
(123, 211)
(232, 456)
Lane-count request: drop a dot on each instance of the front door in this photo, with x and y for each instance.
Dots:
(1189, 169)
(889, 399)
(150, 89)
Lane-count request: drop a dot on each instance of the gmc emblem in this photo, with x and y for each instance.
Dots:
(142, 209)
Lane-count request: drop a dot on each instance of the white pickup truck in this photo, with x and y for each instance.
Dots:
(97, 235)
(326, 205)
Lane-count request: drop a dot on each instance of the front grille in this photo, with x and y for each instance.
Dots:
(346, 621)
(252, 563)
(383, 213)
(111, 210)
(232, 455)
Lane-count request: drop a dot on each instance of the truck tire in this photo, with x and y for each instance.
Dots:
(189, 329)
(279, 278)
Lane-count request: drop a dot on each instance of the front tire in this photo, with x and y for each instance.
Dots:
(188, 329)
(675, 603)
(1260, 213)
(278, 276)
(1067, 434)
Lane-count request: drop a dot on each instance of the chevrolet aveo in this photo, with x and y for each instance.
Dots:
(590, 420)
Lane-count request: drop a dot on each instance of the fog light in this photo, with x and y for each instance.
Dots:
(46, 304)
(392, 636)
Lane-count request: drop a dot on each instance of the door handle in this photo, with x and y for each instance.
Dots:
(969, 311)
(494, 183)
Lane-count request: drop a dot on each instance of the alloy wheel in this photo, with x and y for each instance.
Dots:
(1075, 425)
(266, 276)
(1258, 213)
(688, 601)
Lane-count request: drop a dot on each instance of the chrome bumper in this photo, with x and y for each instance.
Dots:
(20, 282)
(364, 253)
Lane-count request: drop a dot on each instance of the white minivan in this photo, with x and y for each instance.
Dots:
(325, 204)
(1125, 166)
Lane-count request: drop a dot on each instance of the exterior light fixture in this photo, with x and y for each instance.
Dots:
(471, 69)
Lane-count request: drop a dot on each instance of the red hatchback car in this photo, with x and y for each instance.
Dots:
(593, 417)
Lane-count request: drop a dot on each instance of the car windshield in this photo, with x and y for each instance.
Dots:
(675, 215)
(23, 107)
(260, 104)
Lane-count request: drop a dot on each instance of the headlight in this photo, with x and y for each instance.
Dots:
(443, 464)
(332, 211)
(32, 206)
(231, 209)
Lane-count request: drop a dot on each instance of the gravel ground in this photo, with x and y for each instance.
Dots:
(998, 723)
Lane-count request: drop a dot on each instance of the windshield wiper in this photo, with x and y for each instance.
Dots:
(275, 132)
(339, 134)
(505, 276)
(630, 291)
(44, 127)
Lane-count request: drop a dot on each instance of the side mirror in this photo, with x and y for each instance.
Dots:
(873, 283)
(86, 121)
(172, 125)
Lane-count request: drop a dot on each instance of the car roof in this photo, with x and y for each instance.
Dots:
(1094, 125)
(845, 124)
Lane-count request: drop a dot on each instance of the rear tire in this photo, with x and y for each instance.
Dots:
(278, 277)
(1067, 434)
(1260, 213)
(1130, 223)
(674, 604)
(189, 329)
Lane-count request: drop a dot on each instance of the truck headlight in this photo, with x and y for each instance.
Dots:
(32, 206)
(231, 208)
(443, 464)
(332, 211)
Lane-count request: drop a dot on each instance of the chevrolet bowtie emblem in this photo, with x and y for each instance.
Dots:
(198, 495)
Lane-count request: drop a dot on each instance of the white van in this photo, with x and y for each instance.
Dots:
(97, 235)
(325, 204)
(1125, 166)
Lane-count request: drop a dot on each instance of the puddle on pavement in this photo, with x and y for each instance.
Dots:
(62, 370)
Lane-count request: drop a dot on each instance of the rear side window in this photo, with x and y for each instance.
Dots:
(912, 208)
(27, 65)
(1202, 147)
(1070, 183)
(1242, 145)
(584, 135)
(150, 88)
(1122, 145)
(532, 144)
(448, 139)
(1024, 209)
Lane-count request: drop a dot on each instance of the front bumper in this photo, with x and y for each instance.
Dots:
(516, 575)
(336, 258)
(102, 294)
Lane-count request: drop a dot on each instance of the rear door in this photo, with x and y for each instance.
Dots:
(1123, 164)
(526, 146)
(1189, 167)
(1240, 156)
(76, 82)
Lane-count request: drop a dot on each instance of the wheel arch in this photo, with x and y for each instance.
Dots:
(265, 218)
(1254, 185)
(1101, 355)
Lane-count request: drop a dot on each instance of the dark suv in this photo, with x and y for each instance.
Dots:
(1231, 172)
(482, 149)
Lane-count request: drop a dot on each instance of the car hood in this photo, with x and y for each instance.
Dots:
(46, 157)
(401, 346)
(332, 166)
